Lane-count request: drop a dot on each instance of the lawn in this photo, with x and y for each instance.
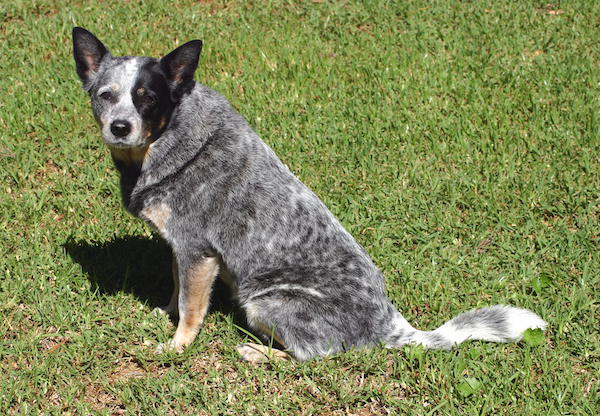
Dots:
(457, 141)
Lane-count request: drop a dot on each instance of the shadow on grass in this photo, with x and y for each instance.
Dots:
(137, 265)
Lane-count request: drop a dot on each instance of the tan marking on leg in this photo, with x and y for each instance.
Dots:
(193, 302)
(158, 215)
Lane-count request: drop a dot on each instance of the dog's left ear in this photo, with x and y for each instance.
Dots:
(179, 67)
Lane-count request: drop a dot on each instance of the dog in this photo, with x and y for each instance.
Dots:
(193, 169)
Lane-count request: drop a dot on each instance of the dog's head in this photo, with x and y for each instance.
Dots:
(133, 97)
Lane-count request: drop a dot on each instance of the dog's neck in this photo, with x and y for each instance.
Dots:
(129, 164)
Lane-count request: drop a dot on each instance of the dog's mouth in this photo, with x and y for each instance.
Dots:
(129, 146)
(123, 145)
(117, 145)
(130, 141)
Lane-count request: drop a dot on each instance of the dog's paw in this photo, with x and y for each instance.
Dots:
(257, 354)
(164, 310)
(168, 346)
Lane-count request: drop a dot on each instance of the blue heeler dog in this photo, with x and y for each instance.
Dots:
(193, 169)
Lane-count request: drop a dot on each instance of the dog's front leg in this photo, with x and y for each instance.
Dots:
(172, 308)
(195, 282)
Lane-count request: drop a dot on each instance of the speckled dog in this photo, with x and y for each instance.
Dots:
(193, 169)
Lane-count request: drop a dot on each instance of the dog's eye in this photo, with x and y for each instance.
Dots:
(148, 100)
(106, 96)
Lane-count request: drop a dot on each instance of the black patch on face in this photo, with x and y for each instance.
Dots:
(152, 99)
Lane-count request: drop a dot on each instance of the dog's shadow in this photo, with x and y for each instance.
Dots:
(140, 266)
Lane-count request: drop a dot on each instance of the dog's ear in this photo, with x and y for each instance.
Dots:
(88, 52)
(179, 67)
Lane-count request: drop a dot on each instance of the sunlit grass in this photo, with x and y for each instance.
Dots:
(458, 141)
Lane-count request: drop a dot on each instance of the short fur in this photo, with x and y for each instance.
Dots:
(193, 169)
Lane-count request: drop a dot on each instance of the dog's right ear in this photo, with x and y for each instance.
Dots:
(88, 52)
(179, 67)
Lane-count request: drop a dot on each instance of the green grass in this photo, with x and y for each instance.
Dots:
(458, 141)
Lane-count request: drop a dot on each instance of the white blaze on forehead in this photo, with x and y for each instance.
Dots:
(126, 75)
(122, 79)
(131, 67)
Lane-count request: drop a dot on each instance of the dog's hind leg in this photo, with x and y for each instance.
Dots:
(195, 283)
(257, 353)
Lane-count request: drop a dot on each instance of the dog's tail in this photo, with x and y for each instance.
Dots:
(498, 323)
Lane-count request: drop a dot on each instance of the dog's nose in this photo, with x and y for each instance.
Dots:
(120, 128)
